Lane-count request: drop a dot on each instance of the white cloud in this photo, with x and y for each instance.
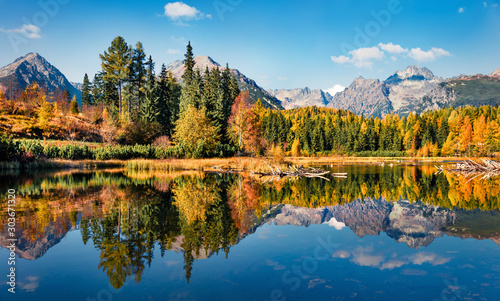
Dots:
(334, 90)
(391, 48)
(341, 254)
(173, 51)
(29, 31)
(367, 260)
(427, 56)
(461, 10)
(485, 5)
(282, 78)
(341, 59)
(495, 5)
(432, 258)
(365, 57)
(179, 11)
(391, 264)
(362, 57)
(336, 224)
(30, 285)
(180, 40)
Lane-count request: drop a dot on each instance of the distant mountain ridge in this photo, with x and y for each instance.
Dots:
(30, 68)
(244, 83)
(417, 90)
(369, 97)
(297, 98)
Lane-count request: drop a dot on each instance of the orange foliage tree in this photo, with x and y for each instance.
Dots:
(243, 124)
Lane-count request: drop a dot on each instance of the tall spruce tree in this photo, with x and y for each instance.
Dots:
(86, 91)
(150, 106)
(136, 79)
(189, 63)
(111, 99)
(97, 89)
(191, 90)
(170, 92)
(229, 90)
(150, 71)
(212, 95)
(115, 65)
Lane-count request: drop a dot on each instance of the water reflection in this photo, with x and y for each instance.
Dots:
(127, 215)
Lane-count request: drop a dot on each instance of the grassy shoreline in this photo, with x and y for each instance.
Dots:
(257, 164)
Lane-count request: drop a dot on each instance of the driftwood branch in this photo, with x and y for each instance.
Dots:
(297, 171)
(486, 168)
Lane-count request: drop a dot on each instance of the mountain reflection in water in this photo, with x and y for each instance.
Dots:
(127, 215)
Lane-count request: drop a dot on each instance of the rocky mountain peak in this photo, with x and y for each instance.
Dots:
(411, 73)
(495, 73)
(362, 82)
(415, 71)
(203, 61)
(33, 68)
(297, 98)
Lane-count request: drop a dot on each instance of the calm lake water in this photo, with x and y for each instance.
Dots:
(382, 233)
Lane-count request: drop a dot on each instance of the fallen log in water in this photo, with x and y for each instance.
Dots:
(298, 171)
(486, 168)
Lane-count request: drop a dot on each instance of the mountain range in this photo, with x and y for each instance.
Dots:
(30, 68)
(296, 98)
(414, 89)
(417, 90)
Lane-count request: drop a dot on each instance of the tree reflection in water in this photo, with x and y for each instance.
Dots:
(126, 216)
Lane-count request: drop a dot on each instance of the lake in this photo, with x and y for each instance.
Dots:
(383, 233)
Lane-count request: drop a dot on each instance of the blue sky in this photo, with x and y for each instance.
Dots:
(280, 44)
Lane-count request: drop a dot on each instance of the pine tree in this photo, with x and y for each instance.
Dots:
(97, 89)
(150, 71)
(211, 97)
(191, 93)
(67, 95)
(479, 136)
(466, 135)
(296, 148)
(44, 111)
(86, 91)
(169, 93)
(111, 99)
(228, 91)
(192, 89)
(150, 107)
(115, 65)
(189, 63)
(442, 133)
(74, 106)
(137, 79)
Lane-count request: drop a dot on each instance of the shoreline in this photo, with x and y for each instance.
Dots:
(241, 163)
